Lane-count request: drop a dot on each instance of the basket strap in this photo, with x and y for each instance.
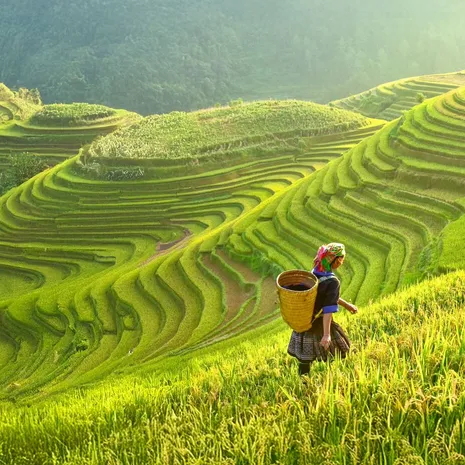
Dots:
(317, 315)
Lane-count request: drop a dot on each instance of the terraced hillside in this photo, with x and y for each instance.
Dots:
(400, 395)
(53, 132)
(397, 200)
(100, 275)
(389, 101)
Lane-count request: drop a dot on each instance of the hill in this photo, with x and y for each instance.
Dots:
(147, 272)
(165, 55)
(34, 136)
(394, 198)
(119, 265)
(398, 399)
(216, 134)
(389, 101)
(109, 268)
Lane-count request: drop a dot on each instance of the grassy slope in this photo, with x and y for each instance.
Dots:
(97, 245)
(390, 100)
(399, 398)
(133, 297)
(216, 131)
(53, 132)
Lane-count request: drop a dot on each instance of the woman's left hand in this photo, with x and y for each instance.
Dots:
(352, 309)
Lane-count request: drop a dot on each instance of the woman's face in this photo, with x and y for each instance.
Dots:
(337, 262)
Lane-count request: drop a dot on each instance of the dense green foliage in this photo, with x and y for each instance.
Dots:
(181, 135)
(398, 399)
(76, 114)
(21, 167)
(162, 55)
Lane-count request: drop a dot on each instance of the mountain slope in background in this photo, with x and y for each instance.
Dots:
(157, 56)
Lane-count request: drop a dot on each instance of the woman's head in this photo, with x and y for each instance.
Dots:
(329, 257)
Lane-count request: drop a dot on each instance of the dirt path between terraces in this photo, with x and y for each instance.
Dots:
(162, 248)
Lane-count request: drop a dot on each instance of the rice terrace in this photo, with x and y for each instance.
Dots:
(139, 321)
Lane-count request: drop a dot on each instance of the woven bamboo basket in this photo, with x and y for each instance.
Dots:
(297, 306)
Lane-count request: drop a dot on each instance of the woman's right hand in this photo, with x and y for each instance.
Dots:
(325, 342)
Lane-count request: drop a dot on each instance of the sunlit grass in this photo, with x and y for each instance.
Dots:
(201, 134)
(399, 398)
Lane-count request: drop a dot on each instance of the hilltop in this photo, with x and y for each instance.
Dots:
(34, 136)
(216, 133)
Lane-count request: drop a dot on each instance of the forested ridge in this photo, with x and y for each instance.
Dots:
(155, 56)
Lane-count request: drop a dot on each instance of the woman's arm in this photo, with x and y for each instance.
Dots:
(326, 339)
(348, 306)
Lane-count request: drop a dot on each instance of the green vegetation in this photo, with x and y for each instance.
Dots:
(124, 269)
(18, 104)
(76, 114)
(217, 131)
(389, 101)
(5, 93)
(94, 299)
(23, 166)
(52, 133)
(102, 302)
(398, 399)
(170, 55)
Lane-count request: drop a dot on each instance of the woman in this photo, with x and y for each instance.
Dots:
(325, 337)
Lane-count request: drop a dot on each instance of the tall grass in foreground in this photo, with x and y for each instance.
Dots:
(399, 399)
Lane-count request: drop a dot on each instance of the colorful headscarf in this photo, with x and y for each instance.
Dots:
(326, 255)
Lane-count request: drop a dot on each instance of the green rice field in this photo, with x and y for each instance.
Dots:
(398, 399)
(138, 313)
(390, 100)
